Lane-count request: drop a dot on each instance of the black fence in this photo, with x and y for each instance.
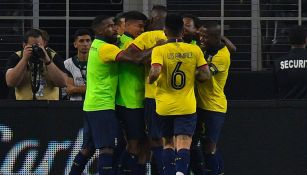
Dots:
(259, 137)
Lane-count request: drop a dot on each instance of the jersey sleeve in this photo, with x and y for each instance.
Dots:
(219, 62)
(200, 60)
(108, 52)
(140, 41)
(12, 61)
(156, 56)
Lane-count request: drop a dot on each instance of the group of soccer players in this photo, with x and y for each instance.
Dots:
(145, 86)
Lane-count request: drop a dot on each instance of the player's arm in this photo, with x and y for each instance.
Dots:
(203, 73)
(143, 55)
(156, 65)
(110, 53)
(154, 72)
(72, 89)
(230, 46)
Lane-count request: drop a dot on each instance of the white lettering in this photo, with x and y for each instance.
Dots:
(290, 63)
(47, 162)
(282, 66)
(7, 167)
(295, 63)
(286, 64)
(301, 64)
(6, 134)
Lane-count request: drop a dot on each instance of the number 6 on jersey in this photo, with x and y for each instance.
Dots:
(176, 75)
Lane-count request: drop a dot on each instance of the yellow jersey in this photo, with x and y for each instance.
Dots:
(175, 86)
(210, 94)
(145, 41)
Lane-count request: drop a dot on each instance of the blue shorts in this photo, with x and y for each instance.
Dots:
(133, 122)
(103, 127)
(209, 125)
(178, 125)
(88, 142)
(153, 122)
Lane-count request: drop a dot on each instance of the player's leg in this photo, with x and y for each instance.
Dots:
(153, 124)
(134, 126)
(184, 127)
(197, 164)
(86, 152)
(168, 155)
(105, 128)
(213, 123)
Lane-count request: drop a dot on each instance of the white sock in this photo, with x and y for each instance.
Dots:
(179, 173)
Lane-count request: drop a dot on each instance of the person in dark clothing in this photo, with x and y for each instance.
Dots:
(291, 69)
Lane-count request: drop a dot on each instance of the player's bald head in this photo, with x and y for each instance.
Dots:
(213, 28)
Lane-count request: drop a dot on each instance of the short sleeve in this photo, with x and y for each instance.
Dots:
(220, 61)
(140, 41)
(108, 52)
(156, 56)
(59, 62)
(200, 60)
(12, 61)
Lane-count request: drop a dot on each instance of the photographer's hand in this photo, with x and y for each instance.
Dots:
(16, 74)
(27, 52)
(46, 59)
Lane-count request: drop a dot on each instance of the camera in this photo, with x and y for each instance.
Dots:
(37, 54)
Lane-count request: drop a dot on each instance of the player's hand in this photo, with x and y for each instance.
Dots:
(161, 42)
(27, 52)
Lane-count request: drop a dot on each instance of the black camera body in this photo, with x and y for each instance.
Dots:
(37, 54)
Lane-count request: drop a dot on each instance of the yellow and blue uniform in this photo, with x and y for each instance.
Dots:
(212, 103)
(145, 41)
(210, 94)
(175, 86)
(175, 98)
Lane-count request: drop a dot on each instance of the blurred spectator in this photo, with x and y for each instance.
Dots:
(33, 71)
(76, 66)
(119, 22)
(290, 70)
(157, 17)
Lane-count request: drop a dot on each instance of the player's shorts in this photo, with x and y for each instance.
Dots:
(133, 122)
(103, 127)
(88, 142)
(209, 125)
(153, 122)
(178, 125)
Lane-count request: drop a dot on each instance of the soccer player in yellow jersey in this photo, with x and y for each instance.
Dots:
(174, 66)
(211, 100)
(144, 44)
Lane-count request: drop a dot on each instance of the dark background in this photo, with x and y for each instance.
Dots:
(259, 137)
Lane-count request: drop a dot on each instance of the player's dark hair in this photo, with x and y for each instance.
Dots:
(117, 18)
(81, 32)
(160, 8)
(196, 20)
(174, 23)
(45, 35)
(134, 15)
(98, 21)
(297, 35)
(32, 33)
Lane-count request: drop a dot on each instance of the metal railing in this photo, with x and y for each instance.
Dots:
(253, 25)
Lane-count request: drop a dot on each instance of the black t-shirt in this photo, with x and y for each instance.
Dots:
(14, 59)
(291, 74)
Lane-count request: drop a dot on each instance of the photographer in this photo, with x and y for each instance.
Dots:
(32, 72)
